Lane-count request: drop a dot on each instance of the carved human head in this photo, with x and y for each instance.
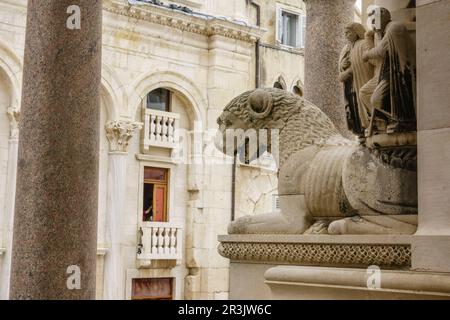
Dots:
(354, 31)
(379, 18)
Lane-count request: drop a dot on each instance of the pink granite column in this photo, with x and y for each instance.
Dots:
(325, 22)
(55, 226)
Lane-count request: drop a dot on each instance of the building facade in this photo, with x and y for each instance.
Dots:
(164, 191)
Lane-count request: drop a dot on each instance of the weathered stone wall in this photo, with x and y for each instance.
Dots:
(255, 190)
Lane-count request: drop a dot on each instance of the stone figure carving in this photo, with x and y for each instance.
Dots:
(355, 73)
(391, 94)
(327, 183)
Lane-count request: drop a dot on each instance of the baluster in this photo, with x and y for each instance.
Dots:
(154, 249)
(171, 129)
(146, 240)
(164, 128)
(161, 241)
(158, 128)
(152, 119)
(173, 240)
(167, 241)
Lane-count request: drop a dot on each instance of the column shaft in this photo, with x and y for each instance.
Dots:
(325, 22)
(114, 275)
(119, 133)
(55, 227)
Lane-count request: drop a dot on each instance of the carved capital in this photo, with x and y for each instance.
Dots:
(119, 133)
(14, 117)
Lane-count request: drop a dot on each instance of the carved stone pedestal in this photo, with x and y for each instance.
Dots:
(312, 267)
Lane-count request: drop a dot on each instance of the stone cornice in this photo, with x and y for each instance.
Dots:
(185, 22)
(178, 20)
(119, 133)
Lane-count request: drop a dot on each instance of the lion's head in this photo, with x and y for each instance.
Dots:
(297, 122)
(251, 112)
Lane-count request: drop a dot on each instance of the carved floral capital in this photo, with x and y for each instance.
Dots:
(119, 133)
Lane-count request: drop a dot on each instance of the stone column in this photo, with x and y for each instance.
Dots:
(431, 244)
(55, 225)
(325, 22)
(119, 133)
(13, 144)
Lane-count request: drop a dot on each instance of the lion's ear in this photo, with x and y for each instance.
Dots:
(260, 104)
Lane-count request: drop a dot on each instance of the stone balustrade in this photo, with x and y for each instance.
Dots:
(160, 241)
(160, 129)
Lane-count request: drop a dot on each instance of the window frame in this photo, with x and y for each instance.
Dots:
(163, 184)
(301, 26)
(169, 192)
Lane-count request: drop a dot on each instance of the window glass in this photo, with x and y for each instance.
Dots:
(290, 27)
(159, 99)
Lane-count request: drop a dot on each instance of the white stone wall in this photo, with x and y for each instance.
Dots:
(255, 190)
(205, 71)
(289, 68)
(4, 137)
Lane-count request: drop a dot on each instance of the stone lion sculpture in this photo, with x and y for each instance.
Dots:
(327, 184)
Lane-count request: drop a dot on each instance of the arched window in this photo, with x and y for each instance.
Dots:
(159, 99)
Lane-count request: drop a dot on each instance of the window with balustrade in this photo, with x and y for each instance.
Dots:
(160, 234)
(160, 123)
